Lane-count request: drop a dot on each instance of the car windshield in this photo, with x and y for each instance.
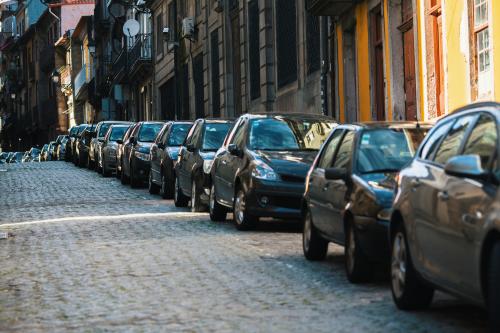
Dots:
(178, 134)
(214, 135)
(117, 133)
(388, 149)
(148, 132)
(104, 129)
(288, 134)
(81, 128)
(73, 130)
(19, 156)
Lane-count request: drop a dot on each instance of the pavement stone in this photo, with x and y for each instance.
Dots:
(88, 254)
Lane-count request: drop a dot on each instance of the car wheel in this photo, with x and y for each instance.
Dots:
(242, 218)
(196, 204)
(134, 182)
(167, 188)
(152, 187)
(494, 288)
(408, 291)
(89, 163)
(125, 180)
(180, 200)
(105, 171)
(118, 171)
(357, 266)
(314, 246)
(218, 213)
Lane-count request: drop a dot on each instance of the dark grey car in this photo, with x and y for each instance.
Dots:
(109, 146)
(445, 225)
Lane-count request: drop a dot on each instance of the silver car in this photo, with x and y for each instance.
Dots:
(445, 225)
(109, 147)
(96, 143)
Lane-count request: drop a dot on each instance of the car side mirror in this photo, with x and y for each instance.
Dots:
(466, 166)
(336, 174)
(234, 150)
(190, 147)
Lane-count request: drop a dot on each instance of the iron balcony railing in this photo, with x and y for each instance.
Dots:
(120, 63)
(141, 49)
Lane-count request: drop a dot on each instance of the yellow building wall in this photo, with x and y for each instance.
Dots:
(456, 62)
(495, 37)
(363, 61)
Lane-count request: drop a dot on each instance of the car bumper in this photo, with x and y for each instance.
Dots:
(373, 237)
(141, 169)
(275, 199)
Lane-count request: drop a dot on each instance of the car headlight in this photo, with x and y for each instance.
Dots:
(142, 156)
(207, 166)
(264, 171)
(385, 214)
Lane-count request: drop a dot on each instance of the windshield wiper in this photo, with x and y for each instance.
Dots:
(381, 171)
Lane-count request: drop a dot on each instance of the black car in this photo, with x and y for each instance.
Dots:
(73, 142)
(83, 145)
(119, 151)
(108, 148)
(164, 153)
(192, 170)
(261, 169)
(349, 192)
(135, 159)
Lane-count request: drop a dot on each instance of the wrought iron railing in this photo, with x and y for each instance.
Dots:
(141, 50)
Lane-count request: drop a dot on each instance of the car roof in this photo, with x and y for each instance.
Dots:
(387, 124)
(472, 107)
(289, 115)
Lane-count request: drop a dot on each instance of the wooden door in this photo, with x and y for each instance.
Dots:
(409, 60)
(378, 62)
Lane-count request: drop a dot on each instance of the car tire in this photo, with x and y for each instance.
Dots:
(166, 188)
(494, 288)
(134, 182)
(180, 200)
(152, 187)
(105, 171)
(241, 216)
(218, 213)
(123, 177)
(196, 205)
(314, 246)
(358, 268)
(89, 163)
(409, 292)
(119, 172)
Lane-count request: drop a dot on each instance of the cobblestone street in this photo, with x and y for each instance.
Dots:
(89, 254)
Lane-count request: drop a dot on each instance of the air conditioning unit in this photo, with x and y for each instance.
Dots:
(188, 27)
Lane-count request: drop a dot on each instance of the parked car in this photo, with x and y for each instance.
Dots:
(192, 170)
(44, 153)
(261, 169)
(83, 145)
(164, 154)
(15, 157)
(74, 143)
(445, 224)
(108, 148)
(349, 192)
(26, 157)
(61, 148)
(35, 154)
(69, 144)
(119, 151)
(50, 151)
(135, 160)
(96, 143)
(3, 157)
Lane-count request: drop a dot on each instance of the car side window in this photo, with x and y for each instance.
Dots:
(239, 135)
(451, 144)
(325, 161)
(483, 140)
(435, 137)
(344, 155)
(189, 138)
(195, 139)
(135, 131)
(162, 137)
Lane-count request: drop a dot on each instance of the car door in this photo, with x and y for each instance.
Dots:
(432, 219)
(337, 190)
(318, 200)
(228, 166)
(187, 157)
(156, 154)
(468, 201)
(128, 148)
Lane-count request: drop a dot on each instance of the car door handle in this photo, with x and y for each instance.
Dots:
(443, 195)
(472, 218)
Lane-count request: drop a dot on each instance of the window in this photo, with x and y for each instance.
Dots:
(483, 140)
(326, 158)
(480, 49)
(171, 17)
(344, 155)
(435, 138)
(214, 135)
(313, 43)
(286, 41)
(178, 134)
(162, 136)
(451, 144)
(159, 35)
(239, 135)
(214, 43)
(254, 49)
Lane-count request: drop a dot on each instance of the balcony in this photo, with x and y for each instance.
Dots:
(80, 80)
(140, 56)
(119, 66)
(329, 7)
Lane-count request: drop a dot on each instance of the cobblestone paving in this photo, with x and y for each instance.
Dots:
(88, 254)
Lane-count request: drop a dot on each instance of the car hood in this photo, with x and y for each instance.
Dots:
(143, 145)
(292, 163)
